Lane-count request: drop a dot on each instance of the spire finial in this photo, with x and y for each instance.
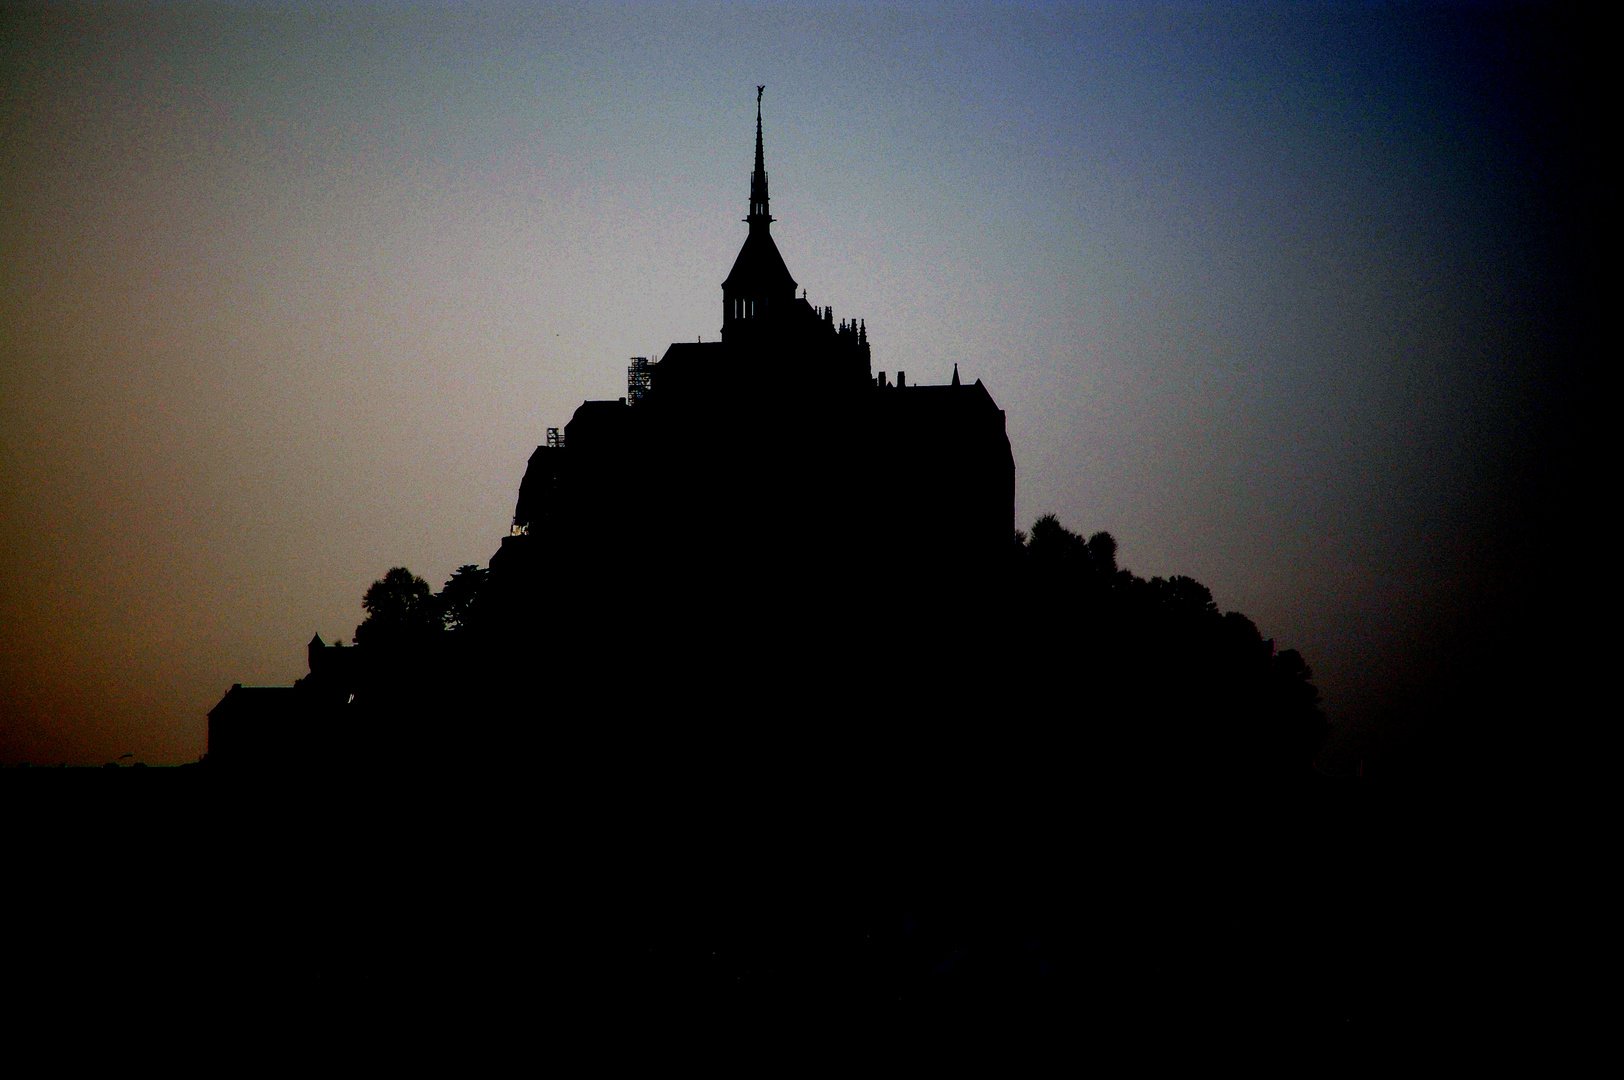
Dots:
(955, 375)
(761, 165)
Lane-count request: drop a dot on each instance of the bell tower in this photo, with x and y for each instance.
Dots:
(758, 291)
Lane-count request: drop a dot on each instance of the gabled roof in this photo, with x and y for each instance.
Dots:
(691, 352)
(759, 269)
(252, 699)
(937, 396)
(596, 423)
(690, 367)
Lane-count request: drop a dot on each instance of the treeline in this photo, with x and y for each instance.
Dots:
(1059, 661)
(1153, 667)
(401, 607)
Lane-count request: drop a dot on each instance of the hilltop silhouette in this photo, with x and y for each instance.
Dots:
(1055, 654)
(764, 709)
(765, 688)
(767, 562)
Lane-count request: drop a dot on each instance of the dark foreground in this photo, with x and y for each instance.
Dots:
(1062, 807)
(461, 916)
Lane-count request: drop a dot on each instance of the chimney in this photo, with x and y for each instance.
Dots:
(880, 382)
(902, 379)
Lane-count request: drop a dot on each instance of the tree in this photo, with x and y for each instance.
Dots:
(457, 600)
(399, 606)
(1054, 545)
(1102, 548)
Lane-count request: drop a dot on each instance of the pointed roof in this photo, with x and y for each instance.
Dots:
(759, 269)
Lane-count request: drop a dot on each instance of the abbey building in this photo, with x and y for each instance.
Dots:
(781, 427)
(728, 540)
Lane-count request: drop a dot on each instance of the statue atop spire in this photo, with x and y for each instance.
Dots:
(759, 217)
(761, 166)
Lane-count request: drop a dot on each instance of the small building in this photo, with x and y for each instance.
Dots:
(261, 725)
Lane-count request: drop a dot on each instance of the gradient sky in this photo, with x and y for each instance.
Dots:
(291, 291)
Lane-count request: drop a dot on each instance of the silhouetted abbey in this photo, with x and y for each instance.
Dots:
(768, 564)
(753, 482)
(771, 607)
(780, 425)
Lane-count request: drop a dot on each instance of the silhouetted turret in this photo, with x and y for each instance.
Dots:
(759, 290)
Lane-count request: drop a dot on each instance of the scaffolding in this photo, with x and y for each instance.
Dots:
(639, 377)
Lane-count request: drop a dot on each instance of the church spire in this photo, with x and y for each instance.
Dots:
(759, 286)
(759, 217)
